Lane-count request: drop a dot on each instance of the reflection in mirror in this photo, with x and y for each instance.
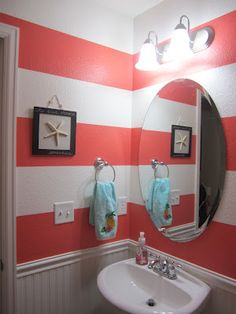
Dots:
(182, 132)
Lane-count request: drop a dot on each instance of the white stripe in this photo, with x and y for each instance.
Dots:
(39, 187)
(226, 212)
(178, 175)
(102, 105)
(95, 104)
(219, 83)
(85, 19)
(135, 189)
(142, 98)
(215, 81)
(162, 113)
(181, 178)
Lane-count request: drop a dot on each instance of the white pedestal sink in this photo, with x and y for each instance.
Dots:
(139, 290)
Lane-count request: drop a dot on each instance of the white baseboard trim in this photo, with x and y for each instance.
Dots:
(213, 279)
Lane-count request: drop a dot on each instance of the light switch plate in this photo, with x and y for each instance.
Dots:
(63, 212)
(122, 205)
(175, 197)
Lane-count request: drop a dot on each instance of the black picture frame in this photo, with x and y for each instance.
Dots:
(181, 141)
(54, 132)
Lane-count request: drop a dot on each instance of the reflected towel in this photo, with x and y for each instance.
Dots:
(158, 204)
(103, 210)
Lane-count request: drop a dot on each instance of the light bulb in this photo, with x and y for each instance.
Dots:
(148, 57)
(180, 42)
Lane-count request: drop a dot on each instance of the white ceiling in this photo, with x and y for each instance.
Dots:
(129, 8)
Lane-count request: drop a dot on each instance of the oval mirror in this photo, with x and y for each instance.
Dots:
(182, 160)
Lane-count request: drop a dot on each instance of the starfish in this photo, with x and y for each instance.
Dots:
(55, 131)
(181, 141)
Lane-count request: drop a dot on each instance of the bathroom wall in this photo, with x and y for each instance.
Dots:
(214, 69)
(81, 52)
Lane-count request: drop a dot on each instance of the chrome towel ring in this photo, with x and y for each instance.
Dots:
(155, 163)
(99, 164)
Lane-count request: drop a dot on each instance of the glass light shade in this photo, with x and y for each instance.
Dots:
(147, 58)
(180, 44)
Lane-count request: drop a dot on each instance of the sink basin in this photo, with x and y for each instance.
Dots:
(139, 290)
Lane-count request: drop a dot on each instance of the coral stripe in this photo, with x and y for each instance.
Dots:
(39, 237)
(229, 125)
(179, 92)
(212, 57)
(156, 144)
(203, 251)
(136, 135)
(112, 143)
(50, 51)
(184, 212)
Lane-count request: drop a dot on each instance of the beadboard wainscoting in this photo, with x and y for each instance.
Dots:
(67, 283)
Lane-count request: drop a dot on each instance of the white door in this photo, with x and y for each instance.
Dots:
(8, 70)
(1, 238)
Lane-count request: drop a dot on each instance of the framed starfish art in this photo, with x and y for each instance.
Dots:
(181, 139)
(54, 132)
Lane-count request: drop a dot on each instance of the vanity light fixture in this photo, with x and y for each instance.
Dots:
(148, 58)
(183, 43)
(180, 41)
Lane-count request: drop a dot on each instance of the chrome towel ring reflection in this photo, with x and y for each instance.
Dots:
(99, 164)
(155, 163)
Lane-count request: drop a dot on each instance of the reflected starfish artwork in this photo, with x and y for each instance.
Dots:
(181, 141)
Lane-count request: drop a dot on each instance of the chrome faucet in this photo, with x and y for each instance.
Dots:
(163, 266)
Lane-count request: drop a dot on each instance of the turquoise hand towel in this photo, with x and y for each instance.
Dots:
(103, 210)
(158, 204)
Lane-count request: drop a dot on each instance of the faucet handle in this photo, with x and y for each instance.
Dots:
(151, 255)
(154, 257)
(172, 271)
(171, 261)
(178, 265)
(155, 260)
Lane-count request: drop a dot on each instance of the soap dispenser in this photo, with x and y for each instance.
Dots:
(141, 251)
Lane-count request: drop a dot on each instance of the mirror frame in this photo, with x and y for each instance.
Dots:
(185, 232)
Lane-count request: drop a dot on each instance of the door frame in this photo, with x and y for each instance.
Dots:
(8, 180)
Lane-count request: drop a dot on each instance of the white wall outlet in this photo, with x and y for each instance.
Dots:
(63, 212)
(122, 205)
(175, 197)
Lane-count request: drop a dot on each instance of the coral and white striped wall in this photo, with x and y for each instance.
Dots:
(83, 53)
(89, 78)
